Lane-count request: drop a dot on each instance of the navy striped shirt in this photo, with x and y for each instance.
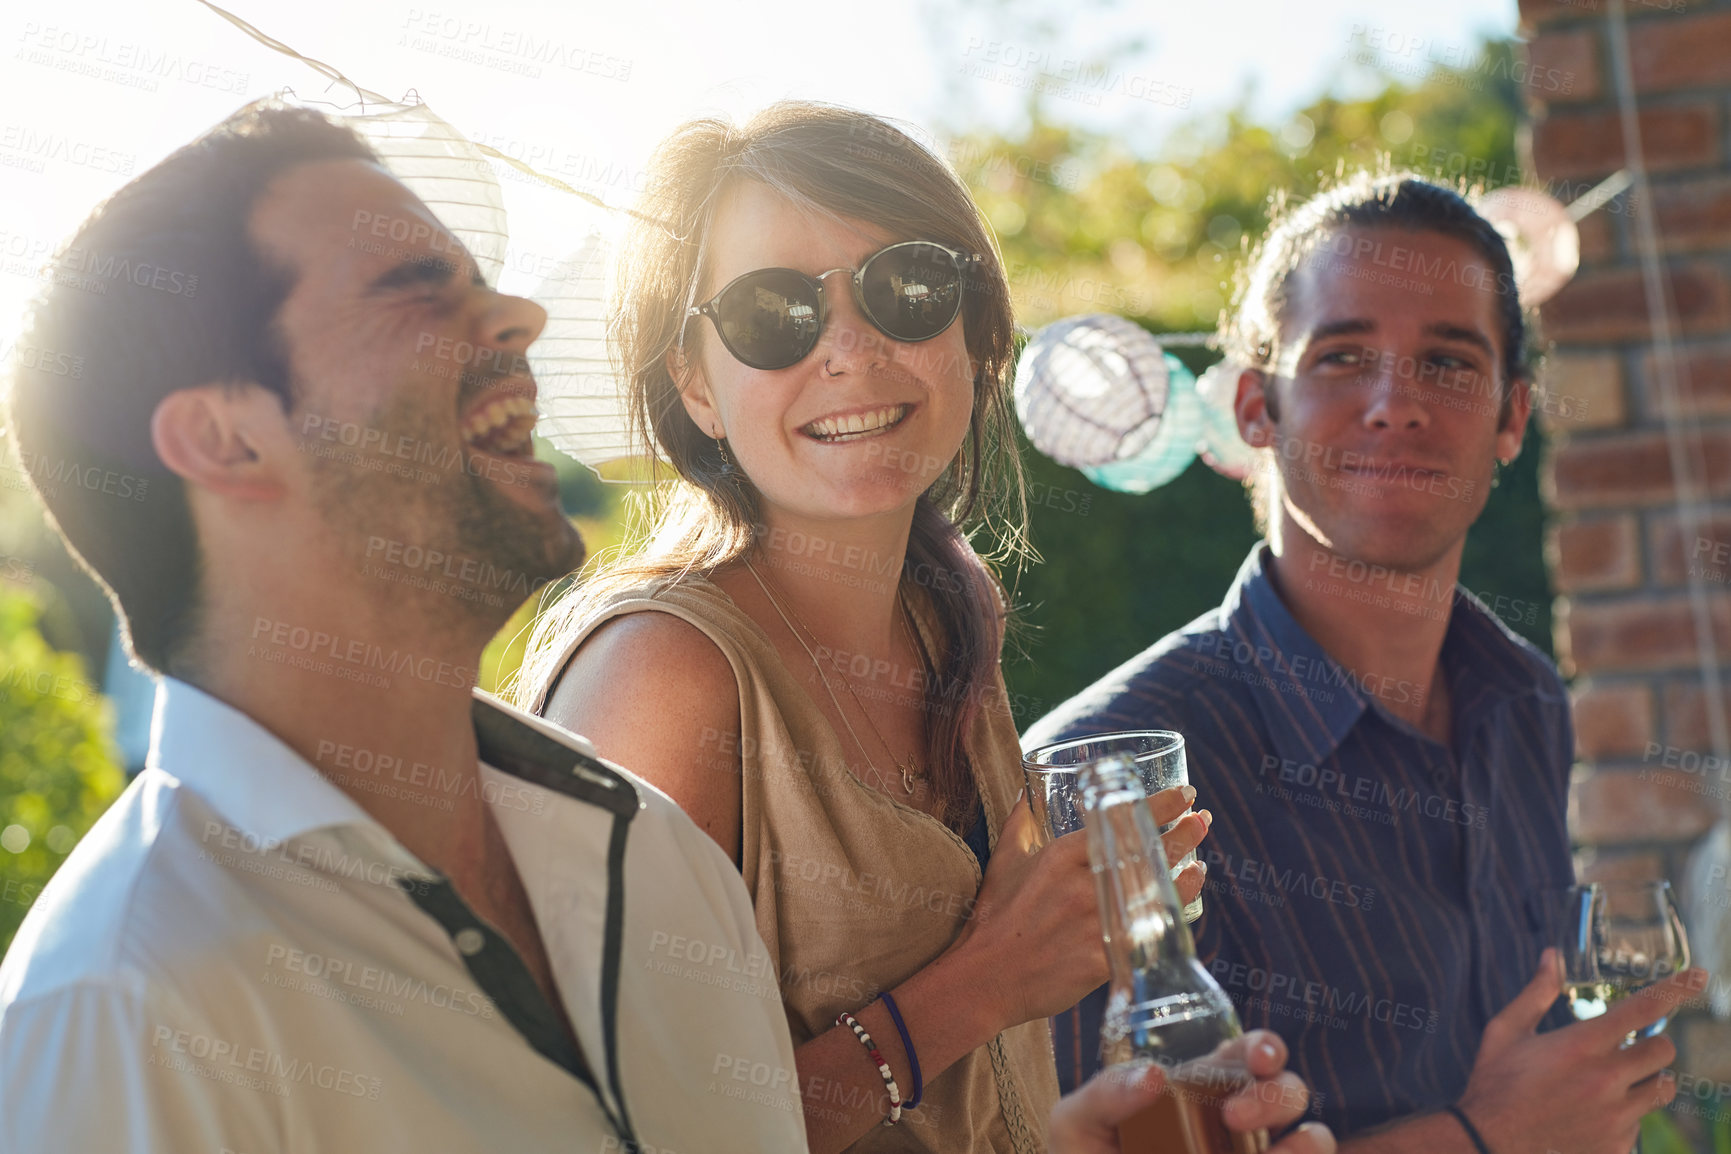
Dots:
(1373, 896)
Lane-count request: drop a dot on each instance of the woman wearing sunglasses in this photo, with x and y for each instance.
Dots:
(804, 650)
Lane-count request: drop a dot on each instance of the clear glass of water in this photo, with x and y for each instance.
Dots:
(1054, 788)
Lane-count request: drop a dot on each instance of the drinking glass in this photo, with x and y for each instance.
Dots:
(1641, 941)
(1054, 786)
(1617, 937)
(1055, 796)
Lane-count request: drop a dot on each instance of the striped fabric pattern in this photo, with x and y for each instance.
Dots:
(1373, 896)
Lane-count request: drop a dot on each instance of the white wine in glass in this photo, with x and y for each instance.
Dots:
(1641, 941)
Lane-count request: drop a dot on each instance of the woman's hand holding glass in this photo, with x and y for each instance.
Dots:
(1036, 922)
(1182, 839)
(1053, 775)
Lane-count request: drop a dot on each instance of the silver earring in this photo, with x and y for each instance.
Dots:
(729, 471)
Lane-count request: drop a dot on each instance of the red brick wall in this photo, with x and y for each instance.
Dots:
(1619, 557)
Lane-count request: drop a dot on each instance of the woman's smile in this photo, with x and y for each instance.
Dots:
(859, 425)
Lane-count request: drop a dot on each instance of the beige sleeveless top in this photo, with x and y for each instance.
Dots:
(855, 892)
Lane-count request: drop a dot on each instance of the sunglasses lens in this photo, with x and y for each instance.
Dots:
(912, 291)
(769, 319)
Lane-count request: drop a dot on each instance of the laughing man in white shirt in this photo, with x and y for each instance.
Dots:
(350, 904)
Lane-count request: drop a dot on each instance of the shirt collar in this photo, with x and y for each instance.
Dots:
(1487, 661)
(1307, 699)
(1310, 702)
(266, 790)
(271, 794)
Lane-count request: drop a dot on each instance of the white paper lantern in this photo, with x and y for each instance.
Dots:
(1544, 244)
(582, 400)
(1092, 389)
(1098, 393)
(1166, 454)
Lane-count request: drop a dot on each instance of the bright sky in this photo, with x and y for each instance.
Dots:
(94, 91)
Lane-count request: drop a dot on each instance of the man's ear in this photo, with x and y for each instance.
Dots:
(694, 393)
(211, 436)
(1251, 407)
(1513, 430)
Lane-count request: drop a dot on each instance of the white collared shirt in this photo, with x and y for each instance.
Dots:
(238, 958)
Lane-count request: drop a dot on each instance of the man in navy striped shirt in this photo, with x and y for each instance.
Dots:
(1386, 763)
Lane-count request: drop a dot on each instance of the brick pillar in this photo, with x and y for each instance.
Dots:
(1627, 632)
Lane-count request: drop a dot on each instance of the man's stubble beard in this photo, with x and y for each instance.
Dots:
(463, 516)
(1331, 521)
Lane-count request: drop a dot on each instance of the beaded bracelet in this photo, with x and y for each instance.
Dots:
(846, 1019)
(889, 1002)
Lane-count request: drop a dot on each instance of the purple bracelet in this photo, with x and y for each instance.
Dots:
(908, 1045)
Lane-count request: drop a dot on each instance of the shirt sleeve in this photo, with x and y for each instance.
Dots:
(103, 1070)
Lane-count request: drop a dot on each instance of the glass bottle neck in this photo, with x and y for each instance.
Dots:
(1140, 914)
(1161, 1004)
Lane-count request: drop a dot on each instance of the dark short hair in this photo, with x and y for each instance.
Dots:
(160, 289)
(1250, 329)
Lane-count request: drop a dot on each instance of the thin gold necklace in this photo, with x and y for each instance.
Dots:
(909, 775)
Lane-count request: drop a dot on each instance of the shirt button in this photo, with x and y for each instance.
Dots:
(470, 941)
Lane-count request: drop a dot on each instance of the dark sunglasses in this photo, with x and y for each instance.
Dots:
(772, 317)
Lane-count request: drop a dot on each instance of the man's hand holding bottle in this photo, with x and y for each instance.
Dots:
(1086, 1122)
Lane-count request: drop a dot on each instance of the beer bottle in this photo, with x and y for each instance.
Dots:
(1162, 1006)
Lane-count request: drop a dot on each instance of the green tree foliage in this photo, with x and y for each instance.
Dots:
(1088, 227)
(58, 769)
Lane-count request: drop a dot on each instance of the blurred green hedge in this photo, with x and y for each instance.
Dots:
(58, 767)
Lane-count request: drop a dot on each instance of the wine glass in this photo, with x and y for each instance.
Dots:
(1641, 941)
(1615, 938)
